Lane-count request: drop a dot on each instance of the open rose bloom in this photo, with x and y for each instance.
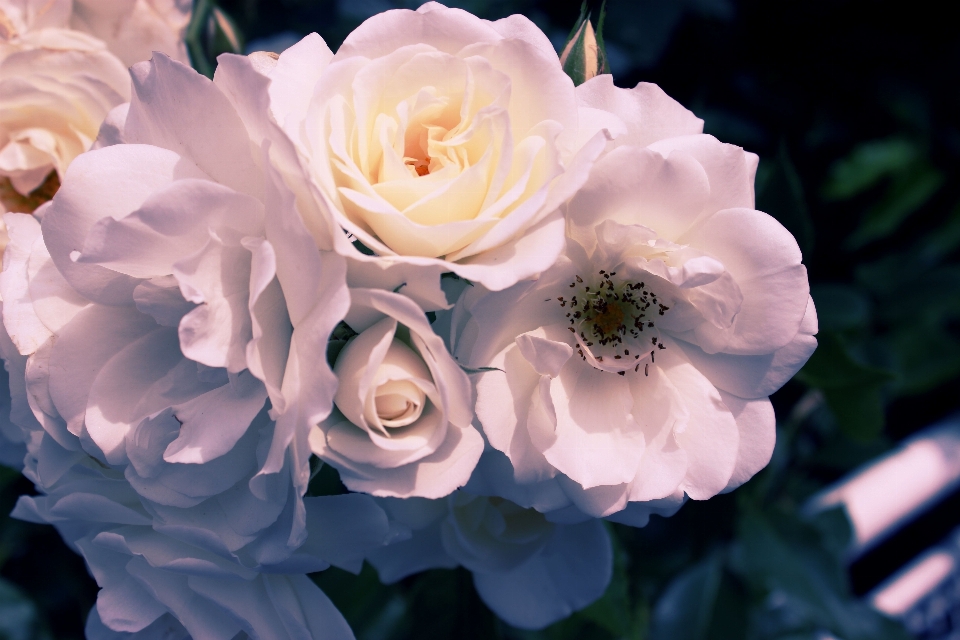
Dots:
(439, 140)
(637, 368)
(502, 307)
(63, 67)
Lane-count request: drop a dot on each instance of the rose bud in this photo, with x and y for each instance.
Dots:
(402, 422)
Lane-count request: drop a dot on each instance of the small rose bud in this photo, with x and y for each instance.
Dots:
(402, 423)
(584, 57)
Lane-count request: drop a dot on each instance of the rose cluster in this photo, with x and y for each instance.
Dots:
(503, 307)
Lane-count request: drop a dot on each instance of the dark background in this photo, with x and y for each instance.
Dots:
(854, 109)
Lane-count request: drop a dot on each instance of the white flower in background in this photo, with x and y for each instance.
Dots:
(63, 66)
(637, 368)
(529, 571)
(169, 321)
(134, 29)
(438, 140)
(402, 424)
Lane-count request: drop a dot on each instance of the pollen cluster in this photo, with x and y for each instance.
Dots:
(614, 322)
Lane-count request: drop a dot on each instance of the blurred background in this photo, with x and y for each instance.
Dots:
(854, 109)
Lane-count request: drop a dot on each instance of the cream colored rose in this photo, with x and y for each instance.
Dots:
(402, 424)
(438, 138)
(56, 87)
(63, 67)
(134, 29)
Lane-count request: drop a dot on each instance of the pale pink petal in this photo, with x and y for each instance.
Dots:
(764, 260)
(597, 440)
(758, 435)
(649, 113)
(176, 108)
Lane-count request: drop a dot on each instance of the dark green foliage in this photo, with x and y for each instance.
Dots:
(852, 389)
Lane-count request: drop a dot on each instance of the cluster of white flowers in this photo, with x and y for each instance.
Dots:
(502, 307)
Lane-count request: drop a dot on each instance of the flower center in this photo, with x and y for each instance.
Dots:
(15, 202)
(420, 167)
(399, 403)
(614, 322)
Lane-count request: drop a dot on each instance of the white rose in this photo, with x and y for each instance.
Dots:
(162, 578)
(134, 29)
(439, 139)
(177, 572)
(169, 292)
(638, 367)
(70, 82)
(402, 425)
(63, 67)
(529, 571)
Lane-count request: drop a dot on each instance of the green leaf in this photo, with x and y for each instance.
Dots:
(444, 604)
(911, 294)
(210, 32)
(685, 610)
(373, 610)
(927, 356)
(943, 240)
(18, 615)
(614, 612)
(833, 367)
(797, 571)
(840, 307)
(851, 388)
(867, 165)
(909, 192)
(835, 531)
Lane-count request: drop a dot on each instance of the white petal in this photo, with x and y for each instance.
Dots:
(710, 439)
(764, 260)
(729, 168)
(544, 355)
(761, 375)
(172, 222)
(19, 317)
(212, 424)
(424, 550)
(665, 192)
(598, 442)
(217, 279)
(176, 108)
(94, 336)
(127, 175)
(445, 29)
(649, 113)
(434, 476)
(758, 435)
(298, 67)
(199, 616)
